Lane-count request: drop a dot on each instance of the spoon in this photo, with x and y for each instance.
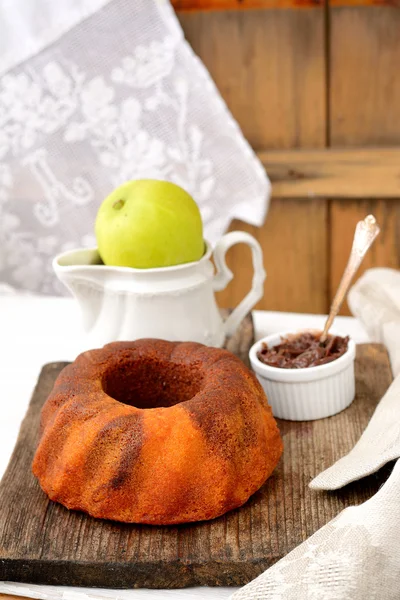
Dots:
(364, 235)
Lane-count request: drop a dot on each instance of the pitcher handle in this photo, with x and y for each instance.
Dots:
(224, 275)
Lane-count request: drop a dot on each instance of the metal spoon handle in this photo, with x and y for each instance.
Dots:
(365, 233)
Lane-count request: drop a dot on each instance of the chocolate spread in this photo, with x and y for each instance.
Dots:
(303, 350)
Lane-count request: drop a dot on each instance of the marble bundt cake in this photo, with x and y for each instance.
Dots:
(156, 432)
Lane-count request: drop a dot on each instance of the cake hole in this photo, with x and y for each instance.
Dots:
(151, 383)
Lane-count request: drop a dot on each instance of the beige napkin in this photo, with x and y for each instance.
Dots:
(379, 444)
(375, 300)
(357, 555)
(354, 557)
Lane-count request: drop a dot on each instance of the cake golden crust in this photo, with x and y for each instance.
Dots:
(156, 432)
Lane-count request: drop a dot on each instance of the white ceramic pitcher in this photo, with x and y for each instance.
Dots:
(171, 303)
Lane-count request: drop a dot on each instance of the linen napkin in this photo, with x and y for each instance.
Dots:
(354, 557)
(375, 300)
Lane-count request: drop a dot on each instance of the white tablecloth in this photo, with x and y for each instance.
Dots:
(36, 330)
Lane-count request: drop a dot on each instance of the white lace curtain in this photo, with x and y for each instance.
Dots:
(94, 93)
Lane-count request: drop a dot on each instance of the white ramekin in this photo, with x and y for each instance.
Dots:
(306, 394)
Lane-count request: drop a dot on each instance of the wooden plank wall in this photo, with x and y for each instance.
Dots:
(364, 96)
(308, 78)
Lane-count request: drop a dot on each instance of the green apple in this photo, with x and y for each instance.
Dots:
(149, 223)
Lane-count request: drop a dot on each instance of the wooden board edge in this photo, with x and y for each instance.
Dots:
(221, 5)
(12, 597)
(355, 3)
(116, 575)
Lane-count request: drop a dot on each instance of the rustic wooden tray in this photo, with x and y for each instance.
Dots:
(42, 542)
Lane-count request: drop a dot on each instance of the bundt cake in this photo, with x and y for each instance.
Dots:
(156, 432)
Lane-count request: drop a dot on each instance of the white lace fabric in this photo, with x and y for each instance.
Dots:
(27, 27)
(118, 95)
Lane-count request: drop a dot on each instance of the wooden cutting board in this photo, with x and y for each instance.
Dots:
(42, 542)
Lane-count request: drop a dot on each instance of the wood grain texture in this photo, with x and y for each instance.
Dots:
(364, 110)
(294, 244)
(364, 87)
(42, 542)
(348, 3)
(269, 67)
(201, 5)
(334, 173)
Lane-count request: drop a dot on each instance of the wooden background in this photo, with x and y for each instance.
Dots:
(316, 91)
